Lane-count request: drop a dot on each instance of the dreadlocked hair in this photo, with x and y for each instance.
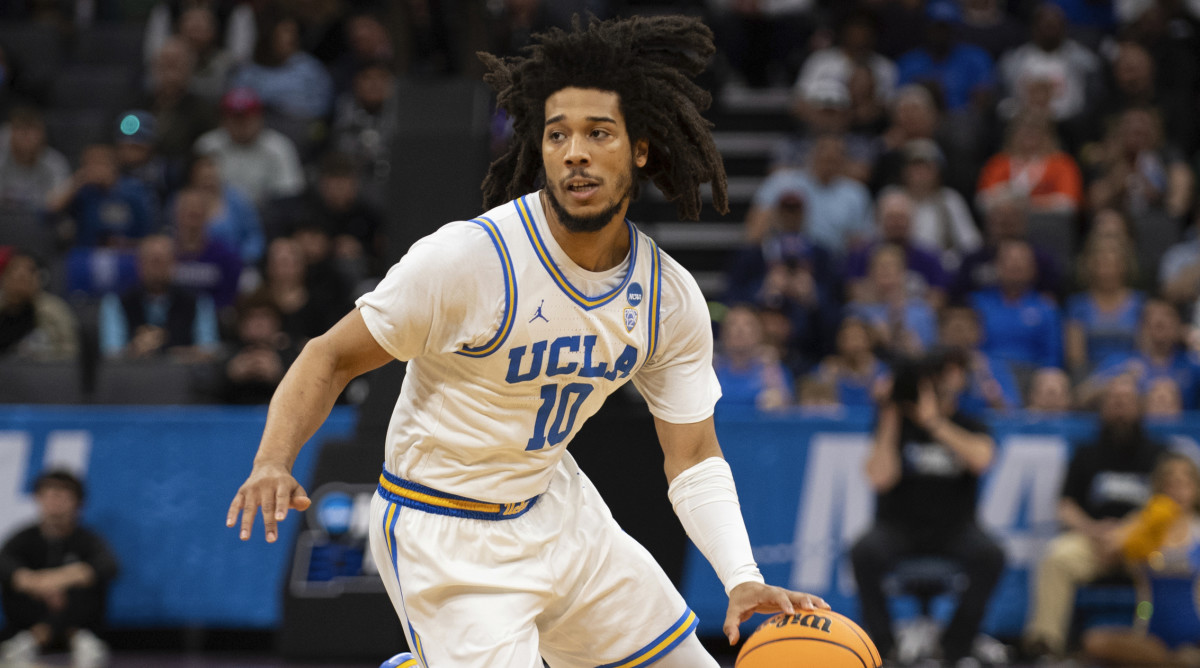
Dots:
(649, 62)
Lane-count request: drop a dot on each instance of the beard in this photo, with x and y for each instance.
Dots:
(597, 221)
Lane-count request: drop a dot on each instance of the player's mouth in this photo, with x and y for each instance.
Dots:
(582, 189)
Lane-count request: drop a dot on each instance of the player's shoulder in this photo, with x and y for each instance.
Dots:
(675, 278)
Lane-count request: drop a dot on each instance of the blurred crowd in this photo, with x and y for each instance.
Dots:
(1012, 179)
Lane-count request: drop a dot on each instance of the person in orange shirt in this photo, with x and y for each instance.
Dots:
(1031, 164)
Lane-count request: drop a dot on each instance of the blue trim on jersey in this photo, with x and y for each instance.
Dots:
(510, 293)
(660, 646)
(539, 247)
(655, 300)
(419, 497)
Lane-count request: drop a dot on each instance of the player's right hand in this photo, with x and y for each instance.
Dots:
(272, 488)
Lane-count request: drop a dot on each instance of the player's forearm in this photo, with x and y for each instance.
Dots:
(301, 403)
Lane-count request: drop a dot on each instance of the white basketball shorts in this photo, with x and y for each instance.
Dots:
(556, 579)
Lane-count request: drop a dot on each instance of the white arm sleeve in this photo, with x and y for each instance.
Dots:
(705, 499)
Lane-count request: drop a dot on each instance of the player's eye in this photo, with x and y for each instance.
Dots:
(599, 133)
(555, 136)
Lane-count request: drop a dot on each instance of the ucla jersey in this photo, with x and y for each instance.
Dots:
(519, 350)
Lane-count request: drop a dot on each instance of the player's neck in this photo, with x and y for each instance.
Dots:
(592, 251)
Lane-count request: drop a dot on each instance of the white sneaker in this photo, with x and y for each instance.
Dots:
(88, 651)
(19, 649)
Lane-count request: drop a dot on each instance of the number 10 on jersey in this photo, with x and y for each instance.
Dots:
(568, 398)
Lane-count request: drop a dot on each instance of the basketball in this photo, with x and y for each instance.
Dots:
(821, 638)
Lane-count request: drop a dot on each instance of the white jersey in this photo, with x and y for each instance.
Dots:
(512, 346)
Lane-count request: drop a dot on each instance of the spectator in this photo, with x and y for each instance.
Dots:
(252, 369)
(941, 219)
(868, 113)
(859, 378)
(817, 397)
(156, 315)
(1102, 320)
(763, 41)
(790, 275)
(1179, 271)
(1161, 543)
(1050, 392)
(856, 44)
(924, 276)
(1020, 326)
(826, 110)
(1006, 218)
(288, 80)
(838, 208)
(306, 312)
(1076, 69)
(369, 43)
(232, 20)
(986, 25)
(1134, 87)
(262, 162)
(1160, 353)
(213, 63)
(750, 374)
(900, 323)
(34, 324)
(1163, 400)
(54, 578)
(1031, 165)
(1138, 172)
(233, 219)
(135, 139)
(990, 382)
(914, 115)
(1105, 482)
(365, 124)
(29, 169)
(103, 208)
(924, 465)
(962, 73)
(204, 265)
(180, 115)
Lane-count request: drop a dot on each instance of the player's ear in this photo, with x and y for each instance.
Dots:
(641, 151)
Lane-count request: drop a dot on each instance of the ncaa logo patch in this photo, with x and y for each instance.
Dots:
(630, 318)
(634, 294)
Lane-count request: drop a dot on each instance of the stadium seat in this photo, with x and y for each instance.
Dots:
(35, 48)
(35, 382)
(109, 44)
(151, 381)
(70, 130)
(26, 230)
(108, 87)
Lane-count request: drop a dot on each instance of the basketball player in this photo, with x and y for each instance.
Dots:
(494, 547)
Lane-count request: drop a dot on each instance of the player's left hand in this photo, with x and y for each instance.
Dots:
(751, 597)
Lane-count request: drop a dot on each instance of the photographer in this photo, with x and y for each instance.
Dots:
(925, 465)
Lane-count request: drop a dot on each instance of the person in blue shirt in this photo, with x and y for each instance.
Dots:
(857, 375)
(1102, 321)
(900, 323)
(1020, 326)
(1160, 353)
(962, 72)
(991, 384)
(106, 208)
(749, 373)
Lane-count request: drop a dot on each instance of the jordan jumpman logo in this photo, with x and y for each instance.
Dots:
(538, 314)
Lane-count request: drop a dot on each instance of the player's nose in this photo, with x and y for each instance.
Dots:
(576, 153)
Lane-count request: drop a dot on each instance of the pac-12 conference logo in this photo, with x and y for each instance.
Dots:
(634, 294)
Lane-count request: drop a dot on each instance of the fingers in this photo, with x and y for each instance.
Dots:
(731, 627)
(784, 603)
(249, 505)
(268, 515)
(231, 516)
(300, 500)
(807, 601)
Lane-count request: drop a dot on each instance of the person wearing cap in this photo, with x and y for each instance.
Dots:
(964, 73)
(262, 162)
(54, 577)
(824, 109)
(941, 219)
(135, 137)
(856, 43)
